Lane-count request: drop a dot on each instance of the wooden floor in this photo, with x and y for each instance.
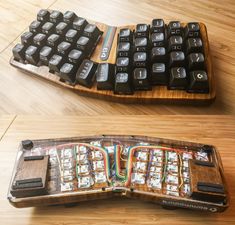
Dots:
(24, 94)
(216, 130)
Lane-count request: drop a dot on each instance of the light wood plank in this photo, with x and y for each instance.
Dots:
(31, 95)
(215, 130)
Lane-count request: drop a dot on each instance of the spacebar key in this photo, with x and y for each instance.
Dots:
(86, 73)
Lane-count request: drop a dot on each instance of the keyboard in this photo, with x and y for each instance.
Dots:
(138, 63)
(174, 174)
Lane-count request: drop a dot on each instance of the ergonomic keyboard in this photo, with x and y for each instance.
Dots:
(168, 172)
(137, 63)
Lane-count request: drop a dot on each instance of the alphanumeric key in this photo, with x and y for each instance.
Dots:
(176, 59)
(40, 39)
(196, 61)
(71, 35)
(84, 44)
(142, 30)
(198, 81)
(122, 64)
(69, 16)
(158, 26)
(55, 63)
(192, 30)
(141, 44)
(75, 56)
(43, 15)
(123, 84)
(27, 38)
(157, 39)
(140, 59)
(48, 28)
(53, 40)
(159, 74)
(64, 48)
(68, 72)
(35, 26)
(19, 52)
(175, 43)
(86, 73)
(61, 28)
(32, 54)
(141, 79)
(56, 16)
(158, 54)
(174, 28)
(105, 76)
(194, 45)
(178, 78)
(91, 31)
(125, 35)
(45, 54)
(123, 49)
(79, 23)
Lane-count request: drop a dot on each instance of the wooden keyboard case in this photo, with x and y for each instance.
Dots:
(158, 94)
(95, 194)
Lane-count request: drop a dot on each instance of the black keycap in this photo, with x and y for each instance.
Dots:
(178, 78)
(140, 59)
(69, 16)
(55, 63)
(174, 28)
(45, 55)
(192, 30)
(157, 39)
(64, 48)
(32, 54)
(61, 28)
(123, 84)
(105, 76)
(56, 16)
(122, 64)
(158, 54)
(91, 31)
(53, 40)
(48, 28)
(75, 56)
(39, 39)
(123, 49)
(141, 44)
(196, 61)
(125, 35)
(177, 59)
(71, 35)
(79, 23)
(68, 72)
(27, 38)
(141, 79)
(35, 27)
(158, 26)
(175, 43)
(84, 44)
(194, 45)
(159, 74)
(19, 52)
(86, 73)
(142, 30)
(43, 15)
(198, 82)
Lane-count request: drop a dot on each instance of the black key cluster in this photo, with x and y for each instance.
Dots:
(160, 54)
(63, 42)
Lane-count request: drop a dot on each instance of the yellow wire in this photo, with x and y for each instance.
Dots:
(181, 176)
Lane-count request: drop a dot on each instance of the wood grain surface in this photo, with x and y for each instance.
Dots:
(215, 130)
(21, 93)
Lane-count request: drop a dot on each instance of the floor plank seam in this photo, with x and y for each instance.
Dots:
(8, 128)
